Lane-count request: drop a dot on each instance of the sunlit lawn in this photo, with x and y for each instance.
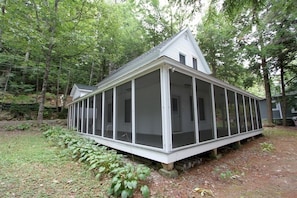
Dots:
(31, 167)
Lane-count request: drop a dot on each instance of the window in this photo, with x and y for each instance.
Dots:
(194, 63)
(182, 59)
(274, 105)
(109, 112)
(201, 109)
(128, 110)
(191, 108)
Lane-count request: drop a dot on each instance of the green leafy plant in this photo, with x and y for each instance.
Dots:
(125, 180)
(101, 161)
(24, 126)
(10, 128)
(267, 147)
(226, 174)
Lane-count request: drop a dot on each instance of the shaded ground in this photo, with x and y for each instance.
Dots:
(245, 172)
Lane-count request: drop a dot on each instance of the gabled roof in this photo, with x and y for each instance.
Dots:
(156, 53)
(82, 89)
(85, 87)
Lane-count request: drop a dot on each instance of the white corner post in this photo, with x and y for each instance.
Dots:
(166, 108)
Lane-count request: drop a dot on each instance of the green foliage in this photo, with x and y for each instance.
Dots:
(267, 147)
(125, 180)
(20, 127)
(227, 174)
(101, 161)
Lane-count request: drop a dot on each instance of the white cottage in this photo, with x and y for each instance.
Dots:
(165, 106)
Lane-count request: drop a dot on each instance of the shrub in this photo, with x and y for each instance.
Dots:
(21, 127)
(101, 160)
(125, 180)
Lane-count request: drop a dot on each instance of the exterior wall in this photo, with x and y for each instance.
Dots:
(183, 45)
(152, 133)
(277, 109)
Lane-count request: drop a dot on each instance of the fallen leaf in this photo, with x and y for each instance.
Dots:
(204, 192)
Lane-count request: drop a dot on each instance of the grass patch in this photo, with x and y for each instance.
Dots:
(280, 131)
(30, 167)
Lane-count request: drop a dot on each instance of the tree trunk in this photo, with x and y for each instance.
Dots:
(91, 73)
(283, 100)
(48, 59)
(66, 91)
(58, 86)
(7, 79)
(267, 90)
(44, 84)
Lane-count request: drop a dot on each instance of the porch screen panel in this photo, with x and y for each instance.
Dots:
(205, 111)
(108, 114)
(85, 112)
(182, 119)
(75, 106)
(98, 114)
(148, 119)
(241, 113)
(253, 109)
(232, 112)
(248, 113)
(124, 113)
(90, 115)
(221, 112)
(259, 115)
(79, 124)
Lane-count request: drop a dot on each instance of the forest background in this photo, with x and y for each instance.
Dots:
(48, 45)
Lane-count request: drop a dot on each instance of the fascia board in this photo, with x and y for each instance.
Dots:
(208, 78)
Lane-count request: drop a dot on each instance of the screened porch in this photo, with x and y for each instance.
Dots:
(166, 109)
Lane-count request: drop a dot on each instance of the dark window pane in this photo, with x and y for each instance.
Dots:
(201, 109)
(128, 113)
(194, 63)
(182, 59)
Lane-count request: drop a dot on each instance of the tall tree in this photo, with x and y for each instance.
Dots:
(217, 37)
(47, 30)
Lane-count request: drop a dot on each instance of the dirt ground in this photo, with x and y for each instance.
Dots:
(244, 172)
